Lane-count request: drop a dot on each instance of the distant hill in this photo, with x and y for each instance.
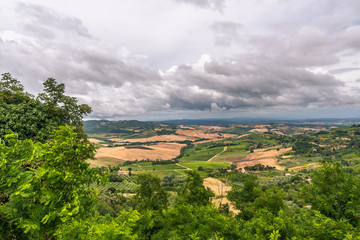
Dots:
(225, 121)
(125, 126)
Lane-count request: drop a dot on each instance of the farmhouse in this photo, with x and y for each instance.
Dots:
(121, 172)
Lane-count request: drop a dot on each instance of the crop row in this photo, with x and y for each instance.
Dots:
(124, 186)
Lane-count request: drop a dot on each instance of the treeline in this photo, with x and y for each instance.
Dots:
(258, 167)
(164, 162)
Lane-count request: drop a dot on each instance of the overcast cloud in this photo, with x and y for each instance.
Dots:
(189, 59)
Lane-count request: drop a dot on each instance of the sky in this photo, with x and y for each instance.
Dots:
(176, 59)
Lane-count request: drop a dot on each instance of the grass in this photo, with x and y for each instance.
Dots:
(351, 157)
(289, 164)
(230, 156)
(196, 164)
(299, 161)
(199, 153)
(305, 166)
(146, 166)
(161, 173)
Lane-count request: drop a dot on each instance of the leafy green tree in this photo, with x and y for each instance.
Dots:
(241, 196)
(11, 90)
(152, 201)
(101, 228)
(65, 108)
(193, 191)
(271, 199)
(45, 185)
(151, 195)
(311, 224)
(193, 221)
(35, 118)
(334, 192)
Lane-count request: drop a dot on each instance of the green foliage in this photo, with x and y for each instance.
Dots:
(170, 182)
(193, 191)
(35, 118)
(62, 106)
(271, 199)
(47, 184)
(303, 145)
(101, 227)
(191, 221)
(241, 196)
(334, 192)
(151, 195)
(11, 90)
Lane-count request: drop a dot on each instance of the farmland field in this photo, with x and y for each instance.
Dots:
(242, 145)
(105, 161)
(196, 164)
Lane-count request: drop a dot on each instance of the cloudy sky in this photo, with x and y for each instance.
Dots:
(171, 59)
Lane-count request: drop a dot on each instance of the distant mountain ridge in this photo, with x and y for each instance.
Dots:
(123, 126)
(127, 126)
(220, 121)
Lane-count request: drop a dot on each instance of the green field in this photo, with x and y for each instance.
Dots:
(125, 186)
(162, 173)
(233, 153)
(196, 164)
(147, 166)
(200, 153)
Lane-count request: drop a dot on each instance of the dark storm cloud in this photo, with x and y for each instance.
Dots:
(251, 82)
(46, 22)
(211, 4)
(225, 32)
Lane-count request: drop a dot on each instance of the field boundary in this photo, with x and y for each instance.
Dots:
(225, 149)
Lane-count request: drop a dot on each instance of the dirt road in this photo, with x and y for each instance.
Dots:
(225, 148)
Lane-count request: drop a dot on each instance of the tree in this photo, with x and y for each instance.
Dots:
(193, 191)
(151, 195)
(65, 108)
(193, 221)
(334, 192)
(271, 199)
(11, 90)
(152, 201)
(45, 185)
(35, 118)
(246, 194)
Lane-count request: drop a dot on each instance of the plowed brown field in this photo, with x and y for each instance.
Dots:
(264, 157)
(161, 151)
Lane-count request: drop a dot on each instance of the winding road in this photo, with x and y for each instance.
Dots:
(225, 148)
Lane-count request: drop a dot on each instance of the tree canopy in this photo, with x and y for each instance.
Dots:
(34, 118)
